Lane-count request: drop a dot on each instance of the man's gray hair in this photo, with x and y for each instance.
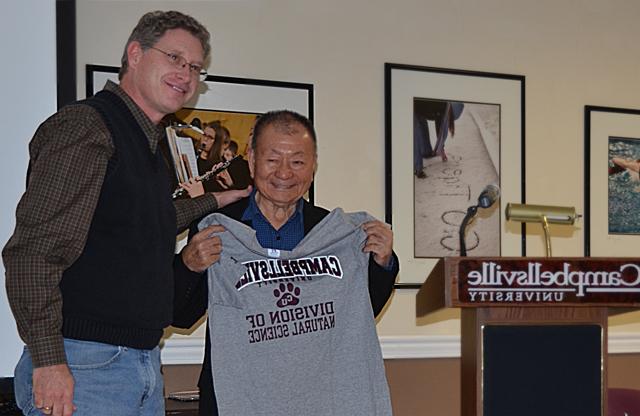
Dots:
(284, 120)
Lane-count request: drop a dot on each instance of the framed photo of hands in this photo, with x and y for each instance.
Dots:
(448, 135)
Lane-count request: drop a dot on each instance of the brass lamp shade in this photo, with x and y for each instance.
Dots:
(538, 213)
(543, 214)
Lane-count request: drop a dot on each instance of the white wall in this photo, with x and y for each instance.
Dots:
(572, 52)
(28, 73)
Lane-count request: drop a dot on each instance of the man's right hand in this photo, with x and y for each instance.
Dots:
(53, 390)
(203, 249)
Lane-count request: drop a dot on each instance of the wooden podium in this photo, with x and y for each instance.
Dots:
(533, 330)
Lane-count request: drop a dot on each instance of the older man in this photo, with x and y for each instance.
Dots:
(89, 266)
(282, 160)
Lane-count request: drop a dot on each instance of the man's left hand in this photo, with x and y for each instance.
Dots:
(225, 198)
(379, 241)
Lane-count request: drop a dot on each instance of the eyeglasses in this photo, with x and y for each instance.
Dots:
(179, 62)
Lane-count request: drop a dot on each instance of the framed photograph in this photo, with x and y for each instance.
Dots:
(234, 103)
(449, 134)
(611, 183)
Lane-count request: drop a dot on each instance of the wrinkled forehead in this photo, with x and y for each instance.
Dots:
(290, 131)
(289, 128)
(299, 143)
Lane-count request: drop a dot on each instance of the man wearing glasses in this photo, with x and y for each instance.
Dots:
(88, 268)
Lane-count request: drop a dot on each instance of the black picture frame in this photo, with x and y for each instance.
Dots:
(66, 51)
(602, 125)
(403, 84)
(231, 94)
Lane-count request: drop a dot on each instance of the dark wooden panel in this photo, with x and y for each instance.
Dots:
(475, 320)
(551, 370)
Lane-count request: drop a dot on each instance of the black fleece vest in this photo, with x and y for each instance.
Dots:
(120, 290)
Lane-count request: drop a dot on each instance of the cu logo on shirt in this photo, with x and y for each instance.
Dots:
(287, 295)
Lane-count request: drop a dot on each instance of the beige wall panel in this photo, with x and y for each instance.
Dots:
(572, 52)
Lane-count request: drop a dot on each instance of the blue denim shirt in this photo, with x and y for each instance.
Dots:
(285, 238)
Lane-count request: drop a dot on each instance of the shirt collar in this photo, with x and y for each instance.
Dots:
(253, 210)
(153, 132)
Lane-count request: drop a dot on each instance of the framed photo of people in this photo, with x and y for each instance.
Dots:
(449, 134)
(612, 184)
(230, 103)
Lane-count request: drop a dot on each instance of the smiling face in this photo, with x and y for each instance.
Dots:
(156, 85)
(282, 165)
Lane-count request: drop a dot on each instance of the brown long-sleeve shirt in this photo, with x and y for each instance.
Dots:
(68, 161)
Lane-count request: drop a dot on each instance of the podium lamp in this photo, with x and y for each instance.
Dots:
(544, 214)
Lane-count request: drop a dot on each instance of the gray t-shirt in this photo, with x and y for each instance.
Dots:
(293, 332)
